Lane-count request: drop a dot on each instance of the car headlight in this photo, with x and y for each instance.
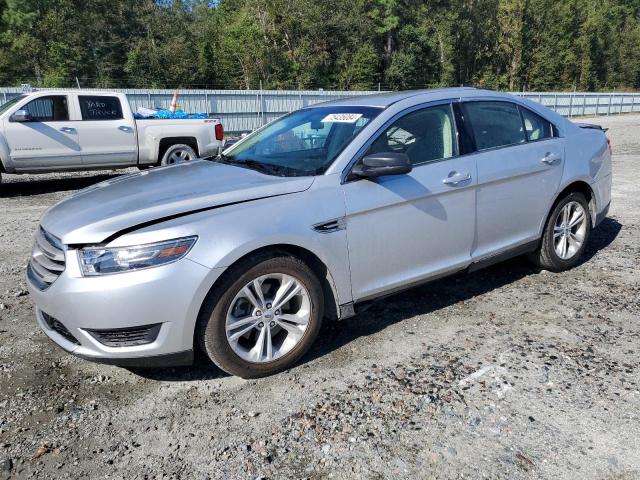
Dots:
(104, 261)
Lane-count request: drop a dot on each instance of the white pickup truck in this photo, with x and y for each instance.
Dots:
(66, 130)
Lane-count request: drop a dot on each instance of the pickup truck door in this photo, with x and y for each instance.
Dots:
(49, 140)
(107, 132)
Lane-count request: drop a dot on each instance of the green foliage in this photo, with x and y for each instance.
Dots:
(299, 44)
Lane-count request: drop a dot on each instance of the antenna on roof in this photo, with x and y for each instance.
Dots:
(78, 83)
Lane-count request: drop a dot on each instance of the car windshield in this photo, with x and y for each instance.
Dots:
(302, 143)
(7, 105)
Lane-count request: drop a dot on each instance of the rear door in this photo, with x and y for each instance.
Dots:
(49, 140)
(107, 132)
(405, 228)
(520, 164)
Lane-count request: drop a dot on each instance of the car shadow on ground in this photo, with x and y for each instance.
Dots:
(200, 370)
(442, 293)
(21, 188)
(416, 301)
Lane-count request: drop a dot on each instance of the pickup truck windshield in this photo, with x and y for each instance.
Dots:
(6, 106)
(302, 143)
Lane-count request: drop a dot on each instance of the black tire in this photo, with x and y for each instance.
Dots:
(211, 326)
(179, 149)
(545, 256)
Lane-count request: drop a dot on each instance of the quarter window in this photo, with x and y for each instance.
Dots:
(100, 108)
(536, 127)
(426, 135)
(495, 124)
(48, 109)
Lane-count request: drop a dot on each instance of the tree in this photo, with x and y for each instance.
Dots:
(505, 44)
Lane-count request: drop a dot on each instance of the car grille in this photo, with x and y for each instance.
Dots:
(47, 260)
(57, 326)
(127, 337)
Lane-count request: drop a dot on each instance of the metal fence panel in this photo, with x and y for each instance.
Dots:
(246, 110)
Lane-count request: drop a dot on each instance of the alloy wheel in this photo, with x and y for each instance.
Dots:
(268, 317)
(570, 230)
(179, 156)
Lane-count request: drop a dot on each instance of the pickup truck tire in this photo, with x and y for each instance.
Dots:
(178, 153)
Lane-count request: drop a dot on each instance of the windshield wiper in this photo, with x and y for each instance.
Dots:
(267, 168)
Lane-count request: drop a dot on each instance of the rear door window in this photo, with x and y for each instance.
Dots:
(536, 127)
(495, 124)
(52, 108)
(100, 107)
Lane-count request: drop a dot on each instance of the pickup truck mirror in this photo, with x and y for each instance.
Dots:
(21, 116)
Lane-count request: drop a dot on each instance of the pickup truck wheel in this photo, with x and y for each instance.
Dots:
(178, 153)
(263, 317)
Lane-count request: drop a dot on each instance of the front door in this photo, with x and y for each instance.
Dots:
(49, 140)
(406, 228)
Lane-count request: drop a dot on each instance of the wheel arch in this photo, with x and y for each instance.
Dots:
(311, 259)
(579, 186)
(167, 142)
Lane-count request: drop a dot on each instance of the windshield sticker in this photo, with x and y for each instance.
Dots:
(342, 117)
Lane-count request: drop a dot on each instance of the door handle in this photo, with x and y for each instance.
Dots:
(551, 158)
(125, 128)
(456, 178)
(68, 130)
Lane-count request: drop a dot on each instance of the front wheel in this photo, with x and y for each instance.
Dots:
(264, 316)
(565, 235)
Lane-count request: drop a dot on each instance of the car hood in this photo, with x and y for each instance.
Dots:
(101, 211)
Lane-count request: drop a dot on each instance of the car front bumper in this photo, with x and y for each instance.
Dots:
(167, 297)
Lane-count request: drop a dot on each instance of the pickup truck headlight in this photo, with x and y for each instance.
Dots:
(104, 261)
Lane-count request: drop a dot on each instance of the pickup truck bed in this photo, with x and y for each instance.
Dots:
(67, 130)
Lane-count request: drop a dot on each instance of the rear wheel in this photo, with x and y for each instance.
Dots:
(263, 317)
(178, 153)
(565, 235)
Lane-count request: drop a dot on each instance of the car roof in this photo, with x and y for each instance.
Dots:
(383, 100)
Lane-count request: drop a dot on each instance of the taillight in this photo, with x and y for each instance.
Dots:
(219, 131)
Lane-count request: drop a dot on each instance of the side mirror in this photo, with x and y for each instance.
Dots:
(21, 116)
(380, 164)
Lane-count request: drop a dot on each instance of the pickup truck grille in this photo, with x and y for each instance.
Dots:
(47, 260)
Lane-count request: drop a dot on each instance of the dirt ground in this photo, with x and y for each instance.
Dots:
(508, 372)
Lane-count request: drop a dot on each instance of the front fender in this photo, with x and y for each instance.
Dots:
(230, 233)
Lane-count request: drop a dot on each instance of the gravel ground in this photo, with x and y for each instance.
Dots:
(504, 373)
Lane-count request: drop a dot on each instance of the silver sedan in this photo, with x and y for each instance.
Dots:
(243, 255)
